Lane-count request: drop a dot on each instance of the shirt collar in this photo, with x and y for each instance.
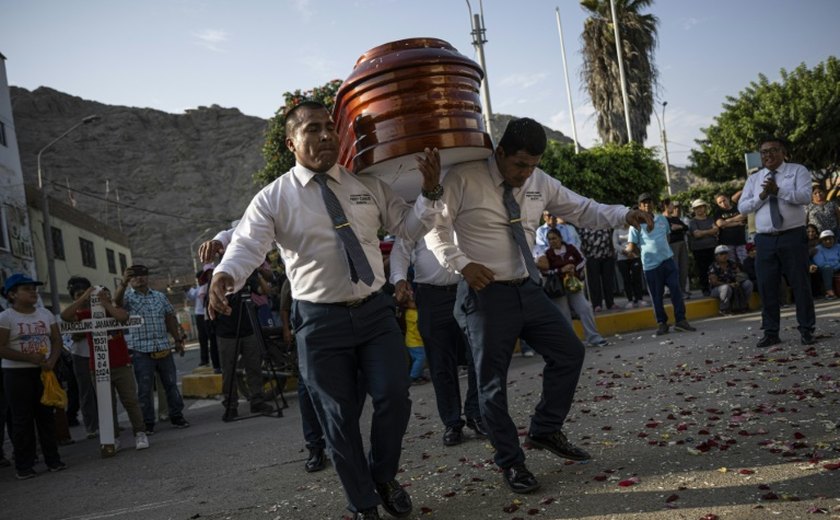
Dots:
(495, 174)
(304, 175)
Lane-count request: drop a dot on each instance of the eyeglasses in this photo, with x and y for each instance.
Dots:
(770, 151)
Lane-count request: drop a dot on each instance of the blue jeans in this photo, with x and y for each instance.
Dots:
(144, 370)
(443, 337)
(494, 318)
(664, 275)
(337, 346)
(418, 362)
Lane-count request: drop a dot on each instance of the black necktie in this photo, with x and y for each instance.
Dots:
(775, 215)
(518, 233)
(359, 265)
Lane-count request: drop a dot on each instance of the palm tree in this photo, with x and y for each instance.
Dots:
(600, 66)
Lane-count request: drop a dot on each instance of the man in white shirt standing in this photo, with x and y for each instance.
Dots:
(779, 194)
(494, 207)
(325, 220)
(441, 333)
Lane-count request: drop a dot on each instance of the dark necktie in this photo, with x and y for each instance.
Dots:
(519, 233)
(359, 265)
(775, 215)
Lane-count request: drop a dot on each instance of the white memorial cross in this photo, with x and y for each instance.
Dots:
(98, 325)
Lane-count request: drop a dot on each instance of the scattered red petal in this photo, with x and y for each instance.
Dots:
(798, 435)
(533, 512)
(547, 500)
(425, 510)
(510, 508)
(710, 516)
(449, 495)
(599, 478)
(672, 498)
(770, 496)
(746, 472)
(832, 466)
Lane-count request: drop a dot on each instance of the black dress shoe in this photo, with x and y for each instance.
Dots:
(558, 444)
(453, 435)
(367, 514)
(317, 460)
(477, 426)
(768, 341)
(230, 415)
(395, 499)
(520, 480)
(807, 338)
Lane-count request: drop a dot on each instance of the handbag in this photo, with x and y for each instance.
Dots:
(54, 395)
(553, 285)
(572, 283)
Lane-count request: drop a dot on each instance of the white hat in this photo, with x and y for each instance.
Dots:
(721, 249)
(827, 233)
(697, 203)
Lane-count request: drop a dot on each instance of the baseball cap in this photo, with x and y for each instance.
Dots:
(721, 249)
(138, 270)
(643, 197)
(697, 203)
(826, 234)
(19, 279)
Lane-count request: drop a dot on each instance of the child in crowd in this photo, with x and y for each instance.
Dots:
(414, 343)
(30, 342)
(121, 371)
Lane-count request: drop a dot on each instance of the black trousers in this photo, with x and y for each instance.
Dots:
(23, 390)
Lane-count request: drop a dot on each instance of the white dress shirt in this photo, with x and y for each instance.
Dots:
(475, 211)
(426, 267)
(794, 195)
(291, 212)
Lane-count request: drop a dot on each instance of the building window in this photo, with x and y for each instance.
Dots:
(112, 262)
(58, 243)
(88, 256)
(4, 231)
(123, 263)
(3, 134)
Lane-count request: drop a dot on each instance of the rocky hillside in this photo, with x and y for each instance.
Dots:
(176, 174)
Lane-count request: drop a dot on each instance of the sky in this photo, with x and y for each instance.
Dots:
(173, 55)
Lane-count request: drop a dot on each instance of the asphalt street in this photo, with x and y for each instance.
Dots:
(691, 425)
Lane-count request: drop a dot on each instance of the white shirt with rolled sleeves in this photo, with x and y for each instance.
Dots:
(794, 181)
(290, 211)
(426, 267)
(475, 212)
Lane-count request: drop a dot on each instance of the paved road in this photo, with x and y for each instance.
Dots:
(686, 426)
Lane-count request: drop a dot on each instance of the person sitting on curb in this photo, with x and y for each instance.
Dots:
(565, 260)
(729, 283)
(827, 262)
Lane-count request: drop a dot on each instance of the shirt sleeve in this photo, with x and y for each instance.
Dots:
(633, 236)
(401, 218)
(224, 237)
(801, 193)
(750, 202)
(581, 211)
(400, 259)
(441, 238)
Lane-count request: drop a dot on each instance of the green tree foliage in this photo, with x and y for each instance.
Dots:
(600, 66)
(803, 107)
(278, 158)
(612, 174)
(707, 192)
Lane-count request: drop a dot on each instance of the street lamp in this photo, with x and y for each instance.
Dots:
(45, 209)
(664, 144)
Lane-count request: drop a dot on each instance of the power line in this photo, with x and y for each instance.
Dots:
(224, 221)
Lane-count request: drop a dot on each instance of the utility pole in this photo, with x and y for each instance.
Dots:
(568, 85)
(478, 29)
(664, 137)
(619, 53)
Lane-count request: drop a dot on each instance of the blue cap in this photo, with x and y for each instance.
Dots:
(19, 279)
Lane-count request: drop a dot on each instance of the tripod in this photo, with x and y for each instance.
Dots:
(247, 308)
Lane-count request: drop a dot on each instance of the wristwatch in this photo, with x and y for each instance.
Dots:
(435, 194)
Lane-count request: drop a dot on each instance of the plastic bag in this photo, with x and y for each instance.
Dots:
(572, 283)
(54, 395)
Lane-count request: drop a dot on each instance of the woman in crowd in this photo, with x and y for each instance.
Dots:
(703, 235)
(822, 213)
(565, 259)
(676, 239)
(600, 267)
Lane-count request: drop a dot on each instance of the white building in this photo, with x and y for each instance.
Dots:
(16, 249)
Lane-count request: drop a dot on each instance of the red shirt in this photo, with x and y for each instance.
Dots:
(118, 355)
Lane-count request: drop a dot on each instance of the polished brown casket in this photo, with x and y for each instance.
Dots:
(405, 96)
